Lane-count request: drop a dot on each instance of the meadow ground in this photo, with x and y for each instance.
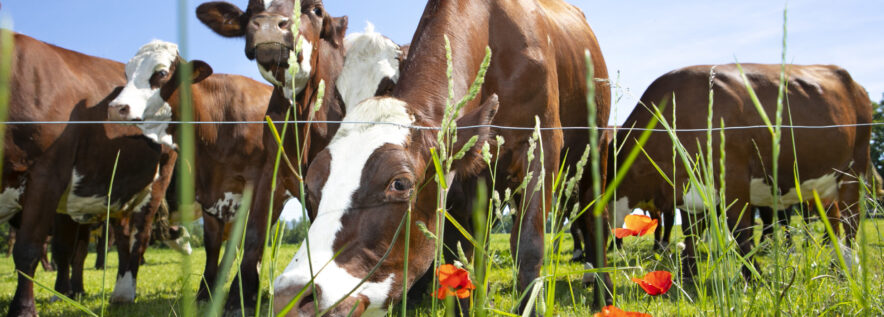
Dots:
(813, 287)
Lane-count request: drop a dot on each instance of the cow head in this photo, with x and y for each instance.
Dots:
(152, 77)
(266, 26)
(362, 185)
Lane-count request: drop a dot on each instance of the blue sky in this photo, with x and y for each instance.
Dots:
(641, 40)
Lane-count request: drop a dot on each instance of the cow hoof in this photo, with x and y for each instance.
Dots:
(27, 311)
(54, 299)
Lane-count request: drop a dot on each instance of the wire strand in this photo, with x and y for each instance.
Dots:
(493, 126)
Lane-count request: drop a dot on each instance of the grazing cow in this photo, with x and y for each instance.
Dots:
(68, 167)
(538, 69)
(266, 28)
(829, 160)
(228, 157)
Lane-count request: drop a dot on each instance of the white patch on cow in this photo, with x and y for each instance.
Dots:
(826, 186)
(225, 208)
(371, 57)
(94, 208)
(620, 210)
(694, 202)
(268, 76)
(300, 79)
(9, 202)
(83, 209)
(133, 237)
(144, 101)
(350, 150)
(267, 4)
(124, 290)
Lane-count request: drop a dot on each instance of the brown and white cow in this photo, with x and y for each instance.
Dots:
(266, 28)
(370, 175)
(67, 167)
(829, 160)
(228, 157)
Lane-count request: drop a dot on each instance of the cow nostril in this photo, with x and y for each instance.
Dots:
(284, 24)
(307, 306)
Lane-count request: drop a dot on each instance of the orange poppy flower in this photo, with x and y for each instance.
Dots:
(655, 283)
(454, 281)
(636, 225)
(611, 311)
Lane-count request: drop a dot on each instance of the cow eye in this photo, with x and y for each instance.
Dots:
(163, 73)
(317, 11)
(400, 185)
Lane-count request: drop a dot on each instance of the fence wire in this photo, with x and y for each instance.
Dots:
(413, 127)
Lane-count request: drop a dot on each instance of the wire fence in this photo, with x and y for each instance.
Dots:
(414, 127)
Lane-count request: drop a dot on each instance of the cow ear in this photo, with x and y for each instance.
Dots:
(480, 117)
(334, 29)
(200, 70)
(224, 18)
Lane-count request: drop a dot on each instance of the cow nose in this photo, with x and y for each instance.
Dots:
(305, 306)
(118, 111)
(276, 23)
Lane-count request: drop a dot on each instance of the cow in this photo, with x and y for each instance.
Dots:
(829, 161)
(65, 167)
(227, 157)
(371, 175)
(266, 26)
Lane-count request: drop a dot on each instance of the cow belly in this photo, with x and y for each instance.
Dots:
(225, 208)
(9, 202)
(826, 186)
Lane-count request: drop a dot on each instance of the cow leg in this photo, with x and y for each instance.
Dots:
(100, 248)
(139, 235)
(121, 230)
(669, 221)
(742, 226)
(767, 226)
(462, 204)
(213, 232)
(693, 225)
(46, 184)
(247, 281)
(577, 236)
(784, 221)
(48, 266)
(62, 251)
(849, 204)
(78, 260)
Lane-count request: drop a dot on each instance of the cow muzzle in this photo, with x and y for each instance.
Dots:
(120, 112)
(309, 305)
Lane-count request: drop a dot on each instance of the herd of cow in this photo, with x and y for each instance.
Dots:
(57, 172)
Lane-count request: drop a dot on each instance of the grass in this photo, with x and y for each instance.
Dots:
(822, 292)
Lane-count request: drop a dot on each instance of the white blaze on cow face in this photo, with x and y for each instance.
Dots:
(144, 101)
(267, 4)
(371, 57)
(350, 150)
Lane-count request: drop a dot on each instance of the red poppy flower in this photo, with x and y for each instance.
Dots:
(454, 281)
(655, 283)
(636, 225)
(611, 311)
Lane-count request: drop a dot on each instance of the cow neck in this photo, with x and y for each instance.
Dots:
(423, 83)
